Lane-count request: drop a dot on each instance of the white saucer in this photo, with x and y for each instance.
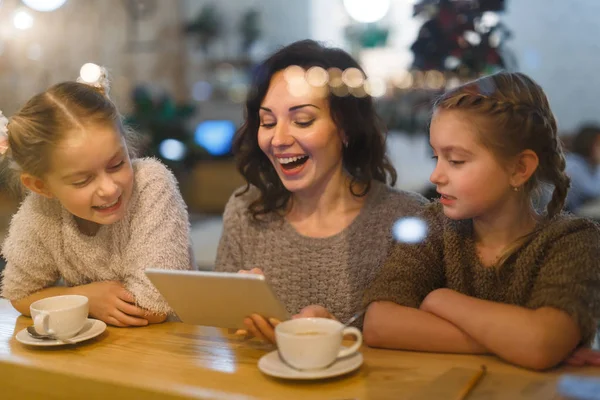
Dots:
(91, 329)
(271, 364)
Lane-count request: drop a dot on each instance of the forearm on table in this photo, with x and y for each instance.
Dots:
(22, 305)
(537, 339)
(389, 325)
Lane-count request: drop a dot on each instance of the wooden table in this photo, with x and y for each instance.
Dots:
(180, 361)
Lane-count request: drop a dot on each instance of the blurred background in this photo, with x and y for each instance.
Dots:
(180, 70)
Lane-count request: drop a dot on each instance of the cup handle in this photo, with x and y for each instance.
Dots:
(354, 348)
(40, 323)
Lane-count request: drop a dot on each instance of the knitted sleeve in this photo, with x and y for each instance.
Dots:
(229, 252)
(412, 270)
(160, 233)
(30, 266)
(569, 277)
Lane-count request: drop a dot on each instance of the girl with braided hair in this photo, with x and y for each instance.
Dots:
(93, 215)
(492, 275)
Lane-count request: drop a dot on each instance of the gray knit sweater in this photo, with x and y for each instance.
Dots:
(559, 267)
(45, 244)
(333, 271)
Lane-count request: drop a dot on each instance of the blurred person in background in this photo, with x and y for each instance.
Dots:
(583, 167)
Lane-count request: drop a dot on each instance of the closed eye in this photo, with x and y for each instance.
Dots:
(117, 167)
(304, 124)
(81, 183)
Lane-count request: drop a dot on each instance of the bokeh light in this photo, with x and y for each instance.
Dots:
(22, 20)
(402, 79)
(224, 73)
(215, 136)
(452, 83)
(353, 77)
(367, 11)
(44, 5)
(472, 37)
(317, 77)
(410, 230)
(201, 91)
(434, 80)
(358, 92)
(238, 92)
(375, 87)
(293, 72)
(90, 72)
(298, 87)
(335, 77)
(172, 149)
(490, 18)
(340, 91)
(451, 62)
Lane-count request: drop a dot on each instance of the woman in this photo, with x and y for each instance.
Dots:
(316, 214)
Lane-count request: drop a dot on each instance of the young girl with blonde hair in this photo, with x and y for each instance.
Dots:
(93, 215)
(492, 275)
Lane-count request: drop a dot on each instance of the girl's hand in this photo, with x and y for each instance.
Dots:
(110, 302)
(584, 356)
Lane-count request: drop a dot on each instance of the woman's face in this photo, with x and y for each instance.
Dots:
(299, 136)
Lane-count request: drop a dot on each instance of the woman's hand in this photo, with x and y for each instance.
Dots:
(264, 328)
(255, 271)
(257, 325)
(260, 327)
(314, 311)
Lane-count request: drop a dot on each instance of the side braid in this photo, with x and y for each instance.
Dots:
(554, 172)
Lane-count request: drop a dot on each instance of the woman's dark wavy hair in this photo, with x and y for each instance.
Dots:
(364, 156)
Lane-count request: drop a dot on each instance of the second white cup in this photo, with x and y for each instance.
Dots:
(314, 343)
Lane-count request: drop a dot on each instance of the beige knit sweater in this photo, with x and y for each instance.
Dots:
(45, 244)
(332, 271)
(559, 267)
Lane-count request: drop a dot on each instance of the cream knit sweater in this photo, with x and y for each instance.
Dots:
(45, 244)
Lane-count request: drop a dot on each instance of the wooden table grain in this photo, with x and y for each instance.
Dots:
(181, 361)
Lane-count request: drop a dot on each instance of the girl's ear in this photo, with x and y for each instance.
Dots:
(525, 165)
(36, 185)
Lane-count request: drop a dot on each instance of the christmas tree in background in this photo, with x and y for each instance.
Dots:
(459, 41)
(460, 36)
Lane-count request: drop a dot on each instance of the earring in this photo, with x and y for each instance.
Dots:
(515, 188)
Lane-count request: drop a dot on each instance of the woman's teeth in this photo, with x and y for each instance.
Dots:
(289, 160)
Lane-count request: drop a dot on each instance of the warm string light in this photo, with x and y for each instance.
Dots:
(352, 81)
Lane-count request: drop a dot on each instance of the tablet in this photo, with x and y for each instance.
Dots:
(220, 299)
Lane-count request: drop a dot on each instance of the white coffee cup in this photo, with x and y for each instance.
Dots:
(314, 343)
(60, 316)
